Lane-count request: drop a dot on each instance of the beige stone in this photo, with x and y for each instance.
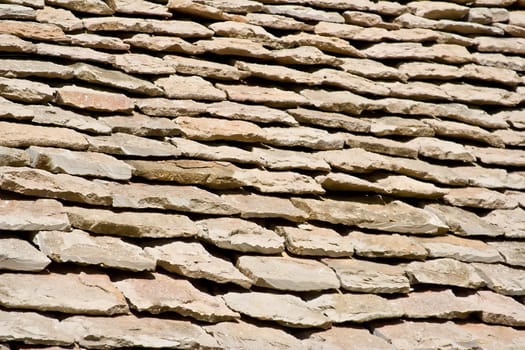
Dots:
(149, 294)
(305, 13)
(63, 18)
(98, 7)
(366, 19)
(198, 150)
(512, 251)
(234, 46)
(403, 186)
(240, 6)
(491, 337)
(89, 99)
(252, 113)
(357, 308)
(467, 250)
(191, 87)
(12, 110)
(13, 157)
(75, 53)
(511, 137)
(349, 338)
(441, 149)
(479, 198)
(33, 215)
(212, 129)
(324, 43)
(438, 10)
(96, 41)
(306, 55)
(32, 30)
(285, 309)
(303, 136)
(316, 241)
(141, 125)
(381, 145)
(369, 277)
(137, 63)
(481, 95)
(372, 69)
(163, 43)
(446, 53)
(426, 70)
(502, 279)
(131, 145)
(337, 101)
(19, 255)
(192, 260)
(40, 183)
(385, 126)
(25, 91)
(12, 43)
(81, 248)
(240, 235)
(344, 182)
(500, 75)
(286, 273)
(464, 131)
(279, 182)
(12, 68)
(8, 11)
(208, 69)
(278, 73)
(131, 224)
(139, 7)
(160, 107)
(515, 46)
(330, 120)
(37, 4)
(198, 9)
(499, 309)
(501, 157)
(386, 246)
(348, 81)
(277, 22)
(92, 294)
(259, 206)
(279, 159)
(272, 97)
(239, 29)
(444, 271)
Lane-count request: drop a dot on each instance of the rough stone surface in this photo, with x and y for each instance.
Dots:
(75, 53)
(349, 338)
(258, 206)
(98, 7)
(316, 241)
(96, 41)
(234, 46)
(444, 271)
(510, 222)
(502, 279)
(479, 198)
(19, 255)
(141, 125)
(279, 159)
(163, 43)
(25, 91)
(12, 68)
(279, 182)
(32, 215)
(269, 96)
(330, 120)
(386, 246)
(198, 150)
(512, 252)
(63, 18)
(51, 115)
(303, 136)
(131, 145)
(136, 63)
(192, 87)
(211, 129)
(84, 98)
(213, 70)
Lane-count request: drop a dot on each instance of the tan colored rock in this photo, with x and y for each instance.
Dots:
(417, 90)
(511, 137)
(467, 250)
(91, 294)
(58, 160)
(438, 10)
(371, 69)
(252, 113)
(500, 75)
(348, 81)
(394, 216)
(160, 107)
(315, 241)
(89, 99)
(192, 260)
(51, 115)
(65, 19)
(34, 215)
(286, 273)
(163, 43)
(279, 159)
(330, 120)
(75, 53)
(426, 70)
(273, 97)
(208, 69)
(194, 149)
(132, 331)
(12, 110)
(184, 29)
(131, 224)
(139, 7)
(349, 338)
(13, 68)
(99, 42)
(385, 126)
(464, 131)
(357, 308)
(512, 251)
(285, 309)
(277, 22)
(138, 63)
(32, 30)
(98, 7)
(403, 186)
(381, 145)
(446, 53)
(37, 4)
(498, 309)
(12, 43)
(386, 246)
(81, 248)
(514, 46)
(235, 47)
(337, 101)
(8, 11)
(241, 6)
(212, 129)
(324, 43)
(479, 198)
(258, 206)
(141, 125)
(192, 87)
(278, 73)
(345, 182)
(440, 149)
(40, 183)
(305, 13)
(149, 295)
(481, 95)
(279, 182)
(25, 91)
(126, 144)
(501, 157)
(238, 29)
(306, 55)
(240, 235)
(492, 337)
(13, 157)
(366, 19)
(444, 271)
(19, 255)
(303, 136)
(501, 278)
(198, 9)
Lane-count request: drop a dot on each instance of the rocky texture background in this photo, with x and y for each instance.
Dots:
(273, 174)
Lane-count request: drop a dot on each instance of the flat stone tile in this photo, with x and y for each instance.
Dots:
(444, 271)
(510, 222)
(52, 115)
(75, 53)
(19, 255)
(130, 145)
(252, 113)
(25, 91)
(25, 135)
(386, 246)
(89, 99)
(16, 68)
(258, 206)
(269, 96)
(499, 309)
(214, 129)
(32, 215)
(512, 251)
(349, 338)
(315, 241)
(141, 125)
(501, 278)
(467, 250)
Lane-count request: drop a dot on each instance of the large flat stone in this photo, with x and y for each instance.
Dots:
(441, 149)
(149, 294)
(141, 125)
(19, 255)
(464, 131)
(348, 338)
(193, 149)
(234, 46)
(303, 136)
(258, 206)
(208, 69)
(32, 215)
(330, 120)
(163, 43)
(97, 7)
(512, 251)
(139, 7)
(386, 246)
(51, 115)
(305, 55)
(502, 279)
(130, 145)
(213, 129)
(32, 30)
(467, 250)
(89, 99)
(191, 87)
(74, 53)
(252, 113)
(316, 241)
(492, 337)
(479, 198)
(13, 68)
(381, 145)
(444, 271)
(329, 44)
(63, 18)
(96, 41)
(269, 96)
(25, 91)
(137, 63)
(81, 248)
(278, 73)
(510, 222)
(12, 43)
(280, 159)
(499, 309)
(278, 182)
(13, 157)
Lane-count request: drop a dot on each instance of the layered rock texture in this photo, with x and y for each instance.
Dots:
(262, 174)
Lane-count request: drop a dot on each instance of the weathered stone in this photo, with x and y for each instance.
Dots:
(192, 87)
(253, 113)
(501, 45)
(485, 15)
(304, 13)
(464, 131)
(323, 43)
(139, 7)
(258, 206)
(141, 125)
(239, 29)
(131, 224)
(286, 273)
(303, 136)
(25, 91)
(424, 70)
(160, 107)
(316, 241)
(394, 216)
(38, 4)
(358, 308)
(481, 95)
(98, 7)
(444, 271)
(132, 331)
(241, 335)
(51, 115)
(99, 42)
(16, 12)
(32, 30)
(349, 338)
(89, 99)
(385, 126)
(212, 129)
(381, 145)
(40, 214)
(512, 251)
(197, 9)
(344, 182)
(278, 182)
(126, 144)
(65, 19)
(438, 10)
(479, 198)
(276, 22)
(330, 120)
(514, 118)
(371, 69)
(235, 47)
(386, 246)
(447, 53)
(94, 294)
(403, 186)
(75, 53)
(240, 6)
(194, 261)
(40, 183)
(12, 43)
(369, 277)
(279, 159)
(81, 248)
(208, 69)
(149, 295)
(337, 101)
(285, 309)
(163, 43)
(366, 19)
(138, 63)
(307, 55)
(278, 73)
(440, 149)
(13, 157)
(273, 97)
(492, 337)
(19, 255)
(13, 110)
(511, 137)
(499, 309)
(348, 81)
(501, 278)
(12, 68)
(198, 150)
(460, 27)
(501, 157)
(58, 160)
(417, 90)
(468, 250)
(500, 75)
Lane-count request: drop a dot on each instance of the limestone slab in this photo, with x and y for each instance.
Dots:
(211, 129)
(278, 182)
(441, 149)
(63, 18)
(315, 241)
(137, 63)
(337, 101)
(463, 131)
(51, 115)
(17, 12)
(208, 69)
(25, 91)
(381, 145)
(278, 73)
(234, 47)
(444, 271)
(252, 113)
(75, 53)
(32, 30)
(404, 186)
(97, 7)
(259, 206)
(277, 22)
(280, 159)
(130, 145)
(32, 215)
(372, 69)
(467, 250)
(502, 279)
(19, 255)
(305, 55)
(324, 43)
(348, 81)
(479, 198)
(12, 43)
(349, 338)
(305, 13)
(386, 246)
(303, 136)
(96, 41)
(197, 9)
(499, 157)
(141, 125)
(159, 107)
(330, 120)
(240, 29)
(492, 337)
(221, 152)
(429, 71)
(512, 251)
(269, 96)
(89, 99)
(385, 126)
(12, 68)
(158, 43)
(13, 157)
(191, 87)
(139, 7)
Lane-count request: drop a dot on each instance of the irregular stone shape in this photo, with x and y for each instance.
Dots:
(81, 248)
(197, 9)
(75, 53)
(149, 295)
(137, 63)
(305, 55)
(369, 277)
(438, 10)
(19, 255)
(285, 273)
(58, 160)
(239, 29)
(258, 206)
(273, 97)
(330, 120)
(131, 224)
(479, 198)
(492, 337)
(40, 183)
(278, 182)
(278, 73)
(135, 332)
(34, 215)
(252, 113)
(372, 69)
(502, 157)
(141, 125)
(192, 260)
(31, 327)
(324, 43)
(345, 182)
(446, 53)
(193, 149)
(13, 157)
(93, 100)
(23, 135)
(139, 7)
(99, 42)
(304, 13)
(208, 69)
(160, 107)
(277, 22)
(279, 159)
(381, 145)
(241, 335)
(386, 246)
(92, 294)
(366, 19)
(12, 110)
(25, 91)
(468, 250)
(234, 47)
(444, 271)
(385, 126)
(163, 43)
(65, 19)
(463, 131)
(51, 115)
(512, 251)
(440, 149)
(500, 75)
(240, 235)
(12, 43)
(337, 101)
(502, 279)
(285, 309)
(501, 45)
(514, 118)
(32, 30)
(499, 309)
(394, 216)
(315, 241)
(462, 222)
(406, 335)
(302, 136)
(349, 338)
(131, 145)
(192, 87)
(430, 71)
(351, 82)
(403, 186)
(417, 90)
(211, 129)
(97, 7)
(481, 95)
(12, 68)
(16, 12)
(115, 79)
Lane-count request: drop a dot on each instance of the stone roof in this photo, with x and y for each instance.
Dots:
(271, 174)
